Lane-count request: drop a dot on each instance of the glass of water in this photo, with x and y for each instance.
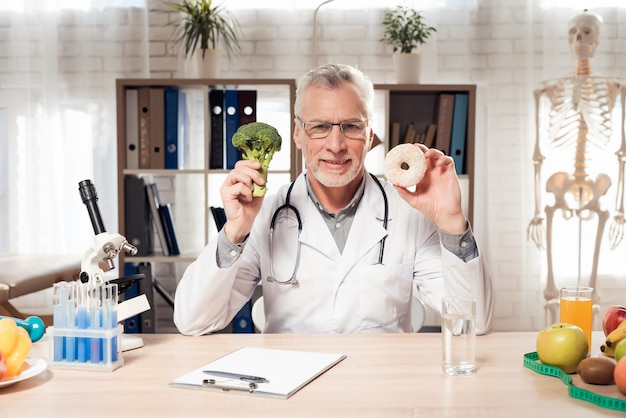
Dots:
(459, 335)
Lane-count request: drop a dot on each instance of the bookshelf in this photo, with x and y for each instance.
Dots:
(419, 105)
(402, 104)
(274, 105)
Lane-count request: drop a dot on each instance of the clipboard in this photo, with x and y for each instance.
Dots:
(285, 371)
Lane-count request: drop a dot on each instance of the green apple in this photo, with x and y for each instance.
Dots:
(620, 349)
(562, 345)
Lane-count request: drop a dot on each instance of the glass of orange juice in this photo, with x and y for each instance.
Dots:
(577, 308)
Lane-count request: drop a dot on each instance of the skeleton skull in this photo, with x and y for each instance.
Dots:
(584, 33)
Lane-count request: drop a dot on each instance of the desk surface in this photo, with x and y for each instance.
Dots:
(392, 375)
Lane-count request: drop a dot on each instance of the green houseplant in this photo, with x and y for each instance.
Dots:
(405, 30)
(207, 27)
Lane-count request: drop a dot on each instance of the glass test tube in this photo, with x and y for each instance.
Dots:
(82, 322)
(60, 298)
(95, 344)
(109, 315)
(70, 315)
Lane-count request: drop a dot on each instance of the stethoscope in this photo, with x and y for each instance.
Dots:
(286, 206)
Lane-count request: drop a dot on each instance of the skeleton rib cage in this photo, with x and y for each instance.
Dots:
(580, 116)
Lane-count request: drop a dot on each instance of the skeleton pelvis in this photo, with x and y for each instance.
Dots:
(572, 195)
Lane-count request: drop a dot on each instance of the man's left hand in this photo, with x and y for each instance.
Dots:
(438, 195)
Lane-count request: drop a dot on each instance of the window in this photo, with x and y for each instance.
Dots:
(23, 6)
(4, 181)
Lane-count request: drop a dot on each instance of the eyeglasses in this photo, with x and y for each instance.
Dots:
(353, 129)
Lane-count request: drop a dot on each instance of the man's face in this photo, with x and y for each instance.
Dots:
(336, 160)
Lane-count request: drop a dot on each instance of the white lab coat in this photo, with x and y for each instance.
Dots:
(337, 292)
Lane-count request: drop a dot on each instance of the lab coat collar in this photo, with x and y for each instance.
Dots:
(366, 231)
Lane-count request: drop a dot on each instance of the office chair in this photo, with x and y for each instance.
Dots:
(258, 314)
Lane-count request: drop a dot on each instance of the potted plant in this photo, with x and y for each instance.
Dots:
(204, 30)
(405, 30)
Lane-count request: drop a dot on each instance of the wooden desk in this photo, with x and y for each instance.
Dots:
(396, 375)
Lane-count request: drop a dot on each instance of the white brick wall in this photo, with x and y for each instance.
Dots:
(499, 46)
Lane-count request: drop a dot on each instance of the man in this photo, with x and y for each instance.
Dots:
(329, 277)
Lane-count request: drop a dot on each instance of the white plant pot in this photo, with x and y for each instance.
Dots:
(407, 67)
(209, 66)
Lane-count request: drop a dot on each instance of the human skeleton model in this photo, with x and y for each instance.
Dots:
(580, 117)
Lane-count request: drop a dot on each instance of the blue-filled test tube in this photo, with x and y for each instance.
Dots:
(95, 344)
(59, 317)
(109, 317)
(70, 314)
(82, 323)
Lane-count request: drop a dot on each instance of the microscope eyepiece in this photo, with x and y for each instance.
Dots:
(89, 196)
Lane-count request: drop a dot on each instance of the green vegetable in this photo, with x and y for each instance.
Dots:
(258, 141)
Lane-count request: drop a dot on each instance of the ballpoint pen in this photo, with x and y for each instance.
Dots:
(237, 376)
(244, 386)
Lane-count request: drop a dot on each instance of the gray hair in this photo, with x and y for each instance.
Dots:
(333, 76)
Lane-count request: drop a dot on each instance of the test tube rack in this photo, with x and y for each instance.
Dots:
(85, 333)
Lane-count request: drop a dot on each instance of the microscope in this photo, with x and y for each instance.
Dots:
(107, 246)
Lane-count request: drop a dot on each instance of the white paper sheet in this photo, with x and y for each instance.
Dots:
(287, 370)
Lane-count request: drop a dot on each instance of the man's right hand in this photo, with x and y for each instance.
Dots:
(240, 207)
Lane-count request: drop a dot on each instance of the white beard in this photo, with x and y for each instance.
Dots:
(330, 180)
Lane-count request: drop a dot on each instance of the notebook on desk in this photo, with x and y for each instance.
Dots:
(261, 371)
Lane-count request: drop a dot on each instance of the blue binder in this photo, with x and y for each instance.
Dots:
(182, 129)
(171, 128)
(459, 131)
(231, 118)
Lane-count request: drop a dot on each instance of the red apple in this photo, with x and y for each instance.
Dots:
(612, 318)
(563, 346)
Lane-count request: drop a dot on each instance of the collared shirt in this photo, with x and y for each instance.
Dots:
(462, 245)
(339, 224)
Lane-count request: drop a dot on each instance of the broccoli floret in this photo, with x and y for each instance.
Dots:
(258, 141)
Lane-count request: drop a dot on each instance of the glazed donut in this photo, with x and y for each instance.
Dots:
(405, 165)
